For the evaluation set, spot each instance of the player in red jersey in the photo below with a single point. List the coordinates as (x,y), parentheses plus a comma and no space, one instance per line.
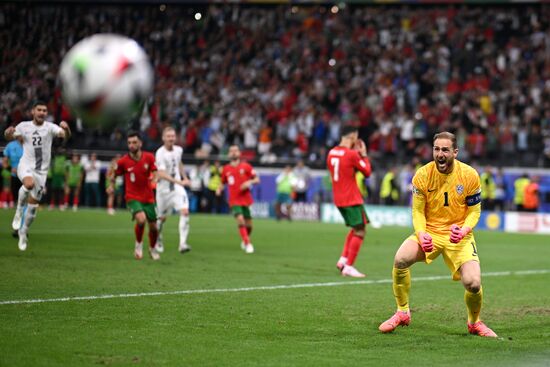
(137,167)
(239,177)
(343,161)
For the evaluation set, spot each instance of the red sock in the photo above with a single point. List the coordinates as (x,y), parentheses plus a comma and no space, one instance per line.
(138,230)
(353,248)
(153,234)
(249,230)
(345,251)
(66,199)
(9,197)
(244,234)
(75,200)
(3,197)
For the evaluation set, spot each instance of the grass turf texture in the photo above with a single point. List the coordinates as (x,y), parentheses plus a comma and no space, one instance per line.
(89,253)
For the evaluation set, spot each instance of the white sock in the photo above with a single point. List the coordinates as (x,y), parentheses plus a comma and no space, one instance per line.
(183,228)
(29,217)
(159,227)
(22,197)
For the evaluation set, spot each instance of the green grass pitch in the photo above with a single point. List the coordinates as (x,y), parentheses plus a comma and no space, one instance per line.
(89,253)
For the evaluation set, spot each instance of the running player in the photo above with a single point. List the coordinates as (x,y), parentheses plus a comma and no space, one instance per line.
(170,189)
(240,176)
(137,167)
(36,136)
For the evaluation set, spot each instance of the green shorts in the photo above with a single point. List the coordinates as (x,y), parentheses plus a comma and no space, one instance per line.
(58,182)
(354,215)
(241,210)
(149,209)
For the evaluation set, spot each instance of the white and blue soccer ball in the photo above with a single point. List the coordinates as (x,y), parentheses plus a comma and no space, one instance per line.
(105,79)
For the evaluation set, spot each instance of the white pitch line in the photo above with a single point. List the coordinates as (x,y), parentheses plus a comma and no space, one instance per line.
(259,288)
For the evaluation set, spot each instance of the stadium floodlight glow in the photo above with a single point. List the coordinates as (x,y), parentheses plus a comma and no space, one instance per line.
(198,16)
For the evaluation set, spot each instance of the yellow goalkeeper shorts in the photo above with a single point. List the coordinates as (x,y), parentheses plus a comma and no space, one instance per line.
(454,254)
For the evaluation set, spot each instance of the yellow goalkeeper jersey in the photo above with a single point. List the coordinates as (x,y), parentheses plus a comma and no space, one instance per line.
(440,200)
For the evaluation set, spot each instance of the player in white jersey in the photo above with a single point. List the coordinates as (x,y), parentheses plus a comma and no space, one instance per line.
(36,136)
(170,188)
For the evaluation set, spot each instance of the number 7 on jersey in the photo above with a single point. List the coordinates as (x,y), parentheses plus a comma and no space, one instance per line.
(335,162)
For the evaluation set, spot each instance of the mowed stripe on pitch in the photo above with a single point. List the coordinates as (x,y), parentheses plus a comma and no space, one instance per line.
(259,288)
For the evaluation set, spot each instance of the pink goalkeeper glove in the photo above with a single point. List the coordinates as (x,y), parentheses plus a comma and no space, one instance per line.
(425,242)
(457,233)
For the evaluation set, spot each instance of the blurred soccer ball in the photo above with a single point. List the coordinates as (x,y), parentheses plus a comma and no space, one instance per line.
(105,79)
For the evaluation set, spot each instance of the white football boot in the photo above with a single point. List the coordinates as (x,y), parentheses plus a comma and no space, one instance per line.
(350,271)
(138,251)
(22,244)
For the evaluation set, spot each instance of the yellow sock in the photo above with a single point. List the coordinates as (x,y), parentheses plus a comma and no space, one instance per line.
(473,304)
(401,287)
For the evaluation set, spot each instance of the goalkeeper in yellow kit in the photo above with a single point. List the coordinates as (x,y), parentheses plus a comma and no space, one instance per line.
(446,207)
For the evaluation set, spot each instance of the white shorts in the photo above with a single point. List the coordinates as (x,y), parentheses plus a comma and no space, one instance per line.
(24,170)
(166,201)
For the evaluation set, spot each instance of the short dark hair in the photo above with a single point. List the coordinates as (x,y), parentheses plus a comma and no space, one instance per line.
(348,129)
(132,133)
(446,135)
(39,102)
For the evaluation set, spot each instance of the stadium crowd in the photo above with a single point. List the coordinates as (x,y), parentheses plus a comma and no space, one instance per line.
(282,80)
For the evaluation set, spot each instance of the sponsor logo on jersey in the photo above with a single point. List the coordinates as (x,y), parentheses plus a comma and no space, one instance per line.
(460,189)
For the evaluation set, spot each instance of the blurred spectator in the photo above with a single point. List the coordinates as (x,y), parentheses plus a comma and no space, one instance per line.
(389,191)
(199,177)
(265,138)
(58,170)
(519,191)
(325,194)
(363,189)
(500,191)
(92,168)
(215,202)
(285,181)
(6,196)
(531,200)
(73,181)
(488,189)
(14,152)
(405,183)
(302,179)
(531,195)
(114,199)
(476,144)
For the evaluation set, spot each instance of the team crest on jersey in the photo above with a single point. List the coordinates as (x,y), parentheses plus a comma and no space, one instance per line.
(146,166)
(460,189)
(241,171)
